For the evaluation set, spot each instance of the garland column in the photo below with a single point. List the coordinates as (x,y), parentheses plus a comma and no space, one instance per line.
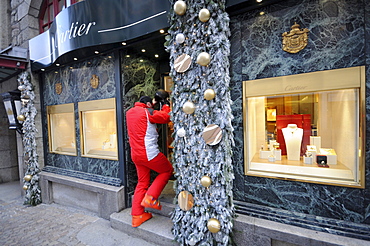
(203,137)
(28,113)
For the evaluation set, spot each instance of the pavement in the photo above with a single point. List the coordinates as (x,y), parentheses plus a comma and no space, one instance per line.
(53,224)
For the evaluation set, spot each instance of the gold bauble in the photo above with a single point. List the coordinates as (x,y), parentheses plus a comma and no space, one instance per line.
(206,181)
(203,59)
(209,94)
(188,107)
(27,177)
(204,15)
(21,117)
(25,187)
(214,225)
(180,7)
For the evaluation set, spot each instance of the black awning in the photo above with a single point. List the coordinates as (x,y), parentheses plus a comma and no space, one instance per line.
(13,60)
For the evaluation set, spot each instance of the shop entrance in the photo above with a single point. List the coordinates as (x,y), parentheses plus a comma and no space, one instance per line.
(145,69)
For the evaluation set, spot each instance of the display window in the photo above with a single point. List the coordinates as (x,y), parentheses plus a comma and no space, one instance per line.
(61,129)
(307,127)
(98,129)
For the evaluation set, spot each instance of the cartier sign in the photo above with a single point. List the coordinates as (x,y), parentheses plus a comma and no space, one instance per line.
(91,23)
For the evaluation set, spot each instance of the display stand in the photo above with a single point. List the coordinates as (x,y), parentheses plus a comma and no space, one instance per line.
(302,121)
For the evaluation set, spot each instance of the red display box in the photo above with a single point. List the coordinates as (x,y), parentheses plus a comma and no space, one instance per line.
(302,121)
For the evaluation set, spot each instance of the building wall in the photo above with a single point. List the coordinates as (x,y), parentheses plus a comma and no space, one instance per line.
(337,39)
(75,80)
(5,36)
(138,78)
(8,162)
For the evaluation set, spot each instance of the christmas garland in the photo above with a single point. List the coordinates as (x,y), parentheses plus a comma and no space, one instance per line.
(203,135)
(28,113)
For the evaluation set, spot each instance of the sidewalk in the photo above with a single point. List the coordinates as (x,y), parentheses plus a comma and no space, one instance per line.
(54,224)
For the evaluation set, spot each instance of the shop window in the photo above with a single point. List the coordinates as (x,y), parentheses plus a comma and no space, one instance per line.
(49,10)
(307,127)
(61,127)
(98,129)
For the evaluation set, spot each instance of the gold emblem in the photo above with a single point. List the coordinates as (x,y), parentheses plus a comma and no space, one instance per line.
(58,88)
(94,81)
(295,40)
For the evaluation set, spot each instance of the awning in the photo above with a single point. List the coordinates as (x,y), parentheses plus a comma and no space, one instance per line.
(13,60)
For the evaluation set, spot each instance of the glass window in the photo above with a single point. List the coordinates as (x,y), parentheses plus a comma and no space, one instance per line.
(98,129)
(49,10)
(61,126)
(306,127)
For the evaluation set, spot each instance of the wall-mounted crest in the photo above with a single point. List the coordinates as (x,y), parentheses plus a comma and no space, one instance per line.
(94,81)
(295,40)
(58,88)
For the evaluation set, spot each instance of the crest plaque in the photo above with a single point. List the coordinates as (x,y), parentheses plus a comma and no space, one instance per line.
(295,40)
(58,88)
(94,81)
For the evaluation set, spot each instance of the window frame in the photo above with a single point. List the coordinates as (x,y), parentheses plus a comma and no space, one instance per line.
(45,10)
(304,83)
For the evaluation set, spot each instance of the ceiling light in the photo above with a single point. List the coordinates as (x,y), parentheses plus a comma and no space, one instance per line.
(123,43)
(161,31)
(71,67)
(109,57)
(262,13)
(143,50)
(57,64)
(96,52)
(141,60)
(75,59)
(43,69)
(258,1)
(56,72)
(127,55)
(156,55)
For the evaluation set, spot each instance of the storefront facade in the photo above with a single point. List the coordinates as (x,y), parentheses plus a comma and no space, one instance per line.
(338,38)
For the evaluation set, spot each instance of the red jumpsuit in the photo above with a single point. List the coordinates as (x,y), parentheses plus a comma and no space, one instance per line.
(143,137)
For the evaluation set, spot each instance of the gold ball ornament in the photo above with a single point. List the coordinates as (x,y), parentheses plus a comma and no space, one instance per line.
(25,187)
(206,181)
(214,225)
(203,59)
(209,94)
(27,177)
(188,107)
(180,7)
(204,15)
(21,117)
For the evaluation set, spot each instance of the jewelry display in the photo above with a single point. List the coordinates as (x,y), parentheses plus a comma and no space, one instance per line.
(293,140)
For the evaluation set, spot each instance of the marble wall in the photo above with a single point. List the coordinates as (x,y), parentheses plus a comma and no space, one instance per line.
(76,88)
(339,37)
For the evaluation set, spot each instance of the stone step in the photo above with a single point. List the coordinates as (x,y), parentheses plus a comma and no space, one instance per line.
(167,205)
(157,230)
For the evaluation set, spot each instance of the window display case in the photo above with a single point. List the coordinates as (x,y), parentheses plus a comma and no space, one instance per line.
(98,129)
(307,127)
(61,129)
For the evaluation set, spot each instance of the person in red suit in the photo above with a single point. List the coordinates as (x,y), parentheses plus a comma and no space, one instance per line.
(143,138)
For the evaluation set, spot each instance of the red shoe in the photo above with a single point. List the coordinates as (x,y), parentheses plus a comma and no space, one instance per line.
(139,219)
(150,202)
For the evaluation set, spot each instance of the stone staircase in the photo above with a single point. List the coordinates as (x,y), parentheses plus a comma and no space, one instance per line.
(157,230)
